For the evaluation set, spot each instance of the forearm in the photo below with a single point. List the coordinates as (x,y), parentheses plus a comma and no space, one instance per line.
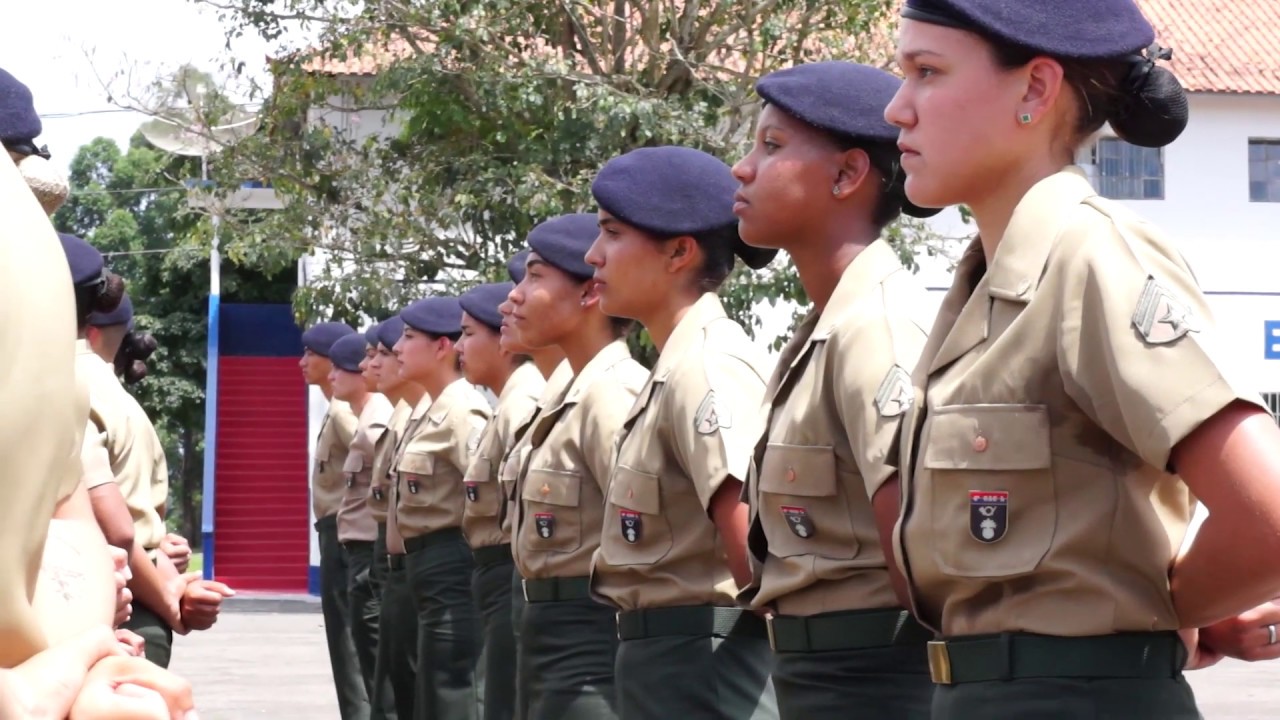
(732,518)
(1214,580)
(45,686)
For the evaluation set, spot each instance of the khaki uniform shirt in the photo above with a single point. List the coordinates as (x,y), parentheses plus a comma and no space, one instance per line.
(44,409)
(561,486)
(120,429)
(429,490)
(328,480)
(110,430)
(692,427)
(395,540)
(516,456)
(355,518)
(485,511)
(1056,384)
(384,452)
(834,404)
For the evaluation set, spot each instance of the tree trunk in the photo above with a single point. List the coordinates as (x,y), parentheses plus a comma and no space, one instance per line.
(192,488)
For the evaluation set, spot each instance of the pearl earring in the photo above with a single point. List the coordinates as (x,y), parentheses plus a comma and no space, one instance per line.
(835,189)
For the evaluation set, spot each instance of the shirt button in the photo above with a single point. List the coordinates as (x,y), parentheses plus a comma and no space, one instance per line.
(546,490)
(980,444)
(791,474)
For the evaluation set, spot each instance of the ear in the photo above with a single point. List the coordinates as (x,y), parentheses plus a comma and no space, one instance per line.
(1044,80)
(444,346)
(590,295)
(93,335)
(853,168)
(682,252)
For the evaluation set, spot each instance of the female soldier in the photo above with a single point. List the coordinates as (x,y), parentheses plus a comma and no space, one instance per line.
(558,374)
(357,531)
(822,182)
(397,664)
(1073,402)
(567,640)
(429,501)
(673,546)
(517,384)
(141,475)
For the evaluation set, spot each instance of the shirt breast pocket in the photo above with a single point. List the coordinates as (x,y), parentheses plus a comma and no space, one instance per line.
(993,503)
(416,470)
(324,448)
(801,509)
(553,515)
(482,492)
(639,534)
(353,468)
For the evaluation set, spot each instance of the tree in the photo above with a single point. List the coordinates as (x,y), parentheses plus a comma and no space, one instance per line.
(132,206)
(501,113)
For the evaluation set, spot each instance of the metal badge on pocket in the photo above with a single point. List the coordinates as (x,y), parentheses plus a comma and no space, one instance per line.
(799,521)
(413,486)
(351,480)
(988,515)
(546,524)
(473,492)
(377,494)
(632,527)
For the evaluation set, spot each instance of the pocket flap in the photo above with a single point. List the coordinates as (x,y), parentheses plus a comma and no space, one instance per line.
(481,470)
(417,463)
(354,462)
(808,470)
(988,437)
(553,487)
(634,490)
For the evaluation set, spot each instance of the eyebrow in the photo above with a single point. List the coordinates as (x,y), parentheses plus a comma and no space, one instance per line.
(533,262)
(606,221)
(913,55)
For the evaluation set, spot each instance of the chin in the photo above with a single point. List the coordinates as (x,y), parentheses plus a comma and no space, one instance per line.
(921,191)
(750,236)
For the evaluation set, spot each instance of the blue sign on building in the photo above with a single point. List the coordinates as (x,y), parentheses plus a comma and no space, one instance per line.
(1272,349)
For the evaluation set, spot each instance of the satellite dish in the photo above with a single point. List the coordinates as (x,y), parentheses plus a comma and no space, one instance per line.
(182,131)
(185,129)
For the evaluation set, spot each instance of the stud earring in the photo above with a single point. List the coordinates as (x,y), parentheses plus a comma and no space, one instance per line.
(1025,118)
(835,189)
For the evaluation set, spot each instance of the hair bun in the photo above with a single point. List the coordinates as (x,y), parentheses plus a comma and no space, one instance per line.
(111,294)
(135,372)
(1157,110)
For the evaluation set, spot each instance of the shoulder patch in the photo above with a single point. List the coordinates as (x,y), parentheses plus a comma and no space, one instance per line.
(711,416)
(1161,316)
(895,394)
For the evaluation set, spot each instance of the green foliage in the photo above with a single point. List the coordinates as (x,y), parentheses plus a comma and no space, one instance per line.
(466,122)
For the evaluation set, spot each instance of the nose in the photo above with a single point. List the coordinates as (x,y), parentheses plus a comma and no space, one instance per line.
(898,111)
(744,170)
(516,296)
(595,255)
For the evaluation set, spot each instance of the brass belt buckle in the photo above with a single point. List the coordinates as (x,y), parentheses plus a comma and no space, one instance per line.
(939,662)
(773,643)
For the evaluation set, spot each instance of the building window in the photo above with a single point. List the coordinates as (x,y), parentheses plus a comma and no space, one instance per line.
(1128,172)
(1272,399)
(1264,171)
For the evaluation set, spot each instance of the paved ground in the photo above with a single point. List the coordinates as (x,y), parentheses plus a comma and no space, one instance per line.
(267,658)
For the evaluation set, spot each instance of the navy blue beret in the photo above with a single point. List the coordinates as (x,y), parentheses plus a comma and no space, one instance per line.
(440,315)
(481,302)
(371,335)
(563,242)
(1087,29)
(18,119)
(320,338)
(390,330)
(122,315)
(84,259)
(667,191)
(844,99)
(515,266)
(347,352)
(671,191)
